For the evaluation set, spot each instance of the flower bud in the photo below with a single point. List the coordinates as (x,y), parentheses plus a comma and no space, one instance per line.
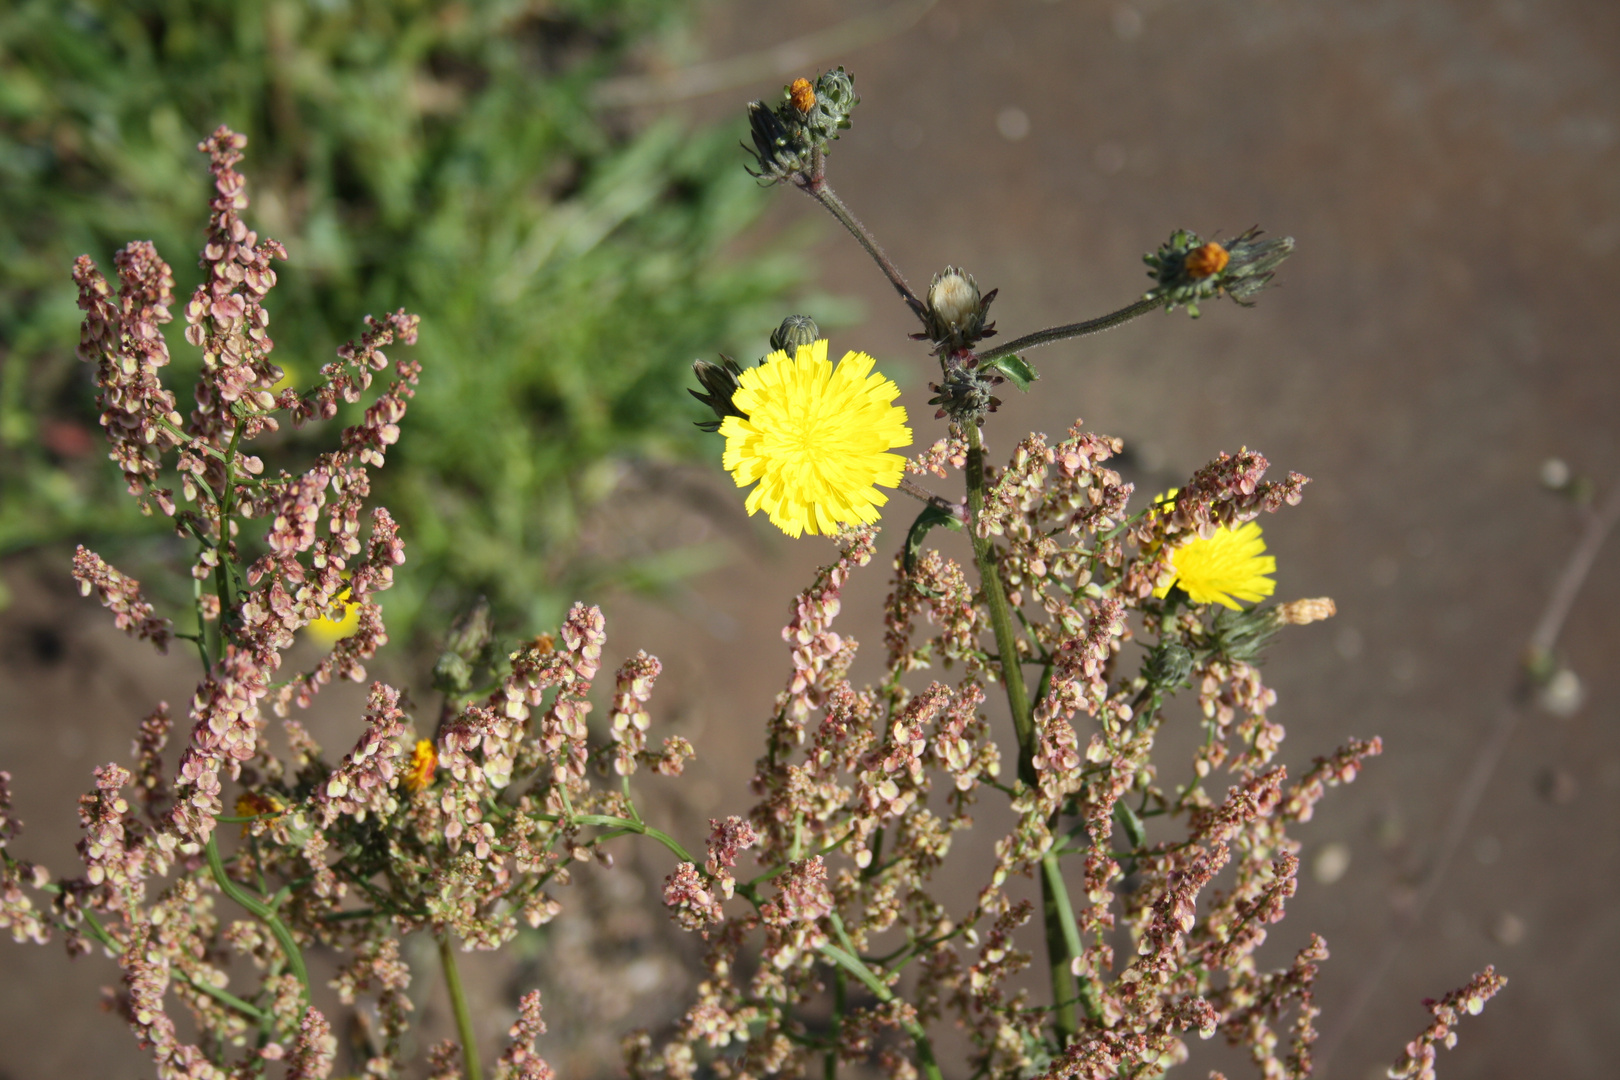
(796,330)
(720,380)
(956,311)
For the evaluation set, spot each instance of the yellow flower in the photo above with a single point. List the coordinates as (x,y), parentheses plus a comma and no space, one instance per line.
(814,436)
(424,760)
(1231,564)
(327,631)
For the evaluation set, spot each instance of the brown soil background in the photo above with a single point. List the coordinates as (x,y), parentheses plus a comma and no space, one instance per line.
(1451,171)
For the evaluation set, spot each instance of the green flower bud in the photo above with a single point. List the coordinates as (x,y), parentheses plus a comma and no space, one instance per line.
(795,330)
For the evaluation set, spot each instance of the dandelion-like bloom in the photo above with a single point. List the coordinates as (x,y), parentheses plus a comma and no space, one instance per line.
(424,760)
(1224,568)
(327,631)
(816,437)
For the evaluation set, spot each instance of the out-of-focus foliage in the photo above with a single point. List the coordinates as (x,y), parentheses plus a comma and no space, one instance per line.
(430,154)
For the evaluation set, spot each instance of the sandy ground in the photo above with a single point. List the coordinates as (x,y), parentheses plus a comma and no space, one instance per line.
(1451,171)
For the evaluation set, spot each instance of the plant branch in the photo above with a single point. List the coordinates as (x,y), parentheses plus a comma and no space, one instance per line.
(458,1003)
(261,911)
(846,959)
(1074,330)
(818,189)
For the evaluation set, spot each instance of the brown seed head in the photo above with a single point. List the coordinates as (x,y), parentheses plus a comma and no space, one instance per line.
(1206,261)
(802,95)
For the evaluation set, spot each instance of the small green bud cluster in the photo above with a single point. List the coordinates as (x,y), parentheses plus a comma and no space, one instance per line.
(810,116)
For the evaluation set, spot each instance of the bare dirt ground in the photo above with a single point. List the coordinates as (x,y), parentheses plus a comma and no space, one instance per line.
(1451,171)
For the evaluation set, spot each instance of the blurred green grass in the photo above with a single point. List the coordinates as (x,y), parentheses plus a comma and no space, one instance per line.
(434,155)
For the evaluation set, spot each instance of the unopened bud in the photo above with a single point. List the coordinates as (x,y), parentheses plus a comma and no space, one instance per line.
(953,298)
(795,330)
(1304,612)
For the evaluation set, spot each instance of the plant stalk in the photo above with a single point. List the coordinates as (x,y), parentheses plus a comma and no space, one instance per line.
(261,911)
(1074,330)
(458,1003)
(845,958)
(819,190)
(1055,909)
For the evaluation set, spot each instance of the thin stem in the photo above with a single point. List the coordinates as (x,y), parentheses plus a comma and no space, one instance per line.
(845,958)
(261,911)
(939,502)
(1074,330)
(112,945)
(458,1003)
(1058,916)
(819,190)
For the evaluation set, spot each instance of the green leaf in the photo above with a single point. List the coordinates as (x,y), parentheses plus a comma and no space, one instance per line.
(932,515)
(1016,368)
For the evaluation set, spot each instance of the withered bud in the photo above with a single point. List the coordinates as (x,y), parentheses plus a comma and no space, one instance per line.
(1304,612)
(802,95)
(1203,262)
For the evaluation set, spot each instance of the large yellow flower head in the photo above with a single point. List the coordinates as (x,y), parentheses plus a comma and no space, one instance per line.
(815,437)
(1224,568)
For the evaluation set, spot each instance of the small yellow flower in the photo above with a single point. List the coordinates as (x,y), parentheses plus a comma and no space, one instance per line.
(1224,568)
(327,631)
(424,760)
(815,438)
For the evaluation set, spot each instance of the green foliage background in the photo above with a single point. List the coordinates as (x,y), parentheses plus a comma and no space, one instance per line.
(429,154)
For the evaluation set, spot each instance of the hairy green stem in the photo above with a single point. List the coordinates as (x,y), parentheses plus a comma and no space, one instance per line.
(1056,911)
(819,190)
(261,911)
(458,1003)
(1074,330)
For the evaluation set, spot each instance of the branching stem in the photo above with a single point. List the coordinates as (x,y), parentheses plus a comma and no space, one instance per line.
(261,911)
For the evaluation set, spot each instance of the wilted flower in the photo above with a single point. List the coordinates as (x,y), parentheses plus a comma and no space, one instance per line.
(815,437)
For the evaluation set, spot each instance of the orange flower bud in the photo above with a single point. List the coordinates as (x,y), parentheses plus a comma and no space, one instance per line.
(802,95)
(1206,261)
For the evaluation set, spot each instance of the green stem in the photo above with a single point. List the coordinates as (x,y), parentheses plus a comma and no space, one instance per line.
(1055,897)
(829,1066)
(458,1002)
(1058,927)
(111,944)
(995,596)
(1074,330)
(846,959)
(261,911)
